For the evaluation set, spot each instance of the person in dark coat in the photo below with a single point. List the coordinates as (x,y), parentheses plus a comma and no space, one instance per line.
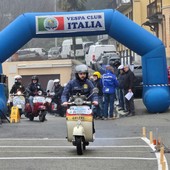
(129,88)
(58,90)
(33,88)
(98,84)
(121,94)
(80,83)
(18,86)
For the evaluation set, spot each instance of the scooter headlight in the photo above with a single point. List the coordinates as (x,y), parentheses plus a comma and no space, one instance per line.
(78,101)
(39,92)
(19,93)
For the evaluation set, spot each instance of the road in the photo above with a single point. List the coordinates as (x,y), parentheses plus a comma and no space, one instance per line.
(119,144)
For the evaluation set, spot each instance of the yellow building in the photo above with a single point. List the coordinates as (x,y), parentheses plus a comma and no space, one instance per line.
(166,27)
(45,69)
(152,15)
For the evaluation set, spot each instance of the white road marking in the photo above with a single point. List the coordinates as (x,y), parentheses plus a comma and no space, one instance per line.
(131,146)
(69,158)
(103,158)
(61,139)
(157,154)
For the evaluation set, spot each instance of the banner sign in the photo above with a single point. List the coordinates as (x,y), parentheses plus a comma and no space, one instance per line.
(70,23)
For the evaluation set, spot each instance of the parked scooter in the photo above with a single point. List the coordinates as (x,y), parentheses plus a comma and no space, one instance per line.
(18,100)
(39,107)
(79,120)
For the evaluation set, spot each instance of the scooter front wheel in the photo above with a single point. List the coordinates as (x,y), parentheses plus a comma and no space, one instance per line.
(31,117)
(79,145)
(42,115)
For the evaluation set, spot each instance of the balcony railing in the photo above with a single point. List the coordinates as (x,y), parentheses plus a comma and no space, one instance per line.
(123,4)
(154,9)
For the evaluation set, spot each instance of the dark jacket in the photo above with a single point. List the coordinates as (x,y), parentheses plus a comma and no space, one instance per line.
(33,88)
(98,83)
(75,85)
(58,90)
(109,82)
(121,79)
(17,86)
(129,80)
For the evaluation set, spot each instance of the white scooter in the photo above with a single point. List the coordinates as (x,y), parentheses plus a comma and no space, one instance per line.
(80,123)
(18,100)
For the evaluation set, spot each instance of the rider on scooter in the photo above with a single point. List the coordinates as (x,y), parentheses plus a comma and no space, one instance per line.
(58,89)
(81,82)
(33,88)
(18,86)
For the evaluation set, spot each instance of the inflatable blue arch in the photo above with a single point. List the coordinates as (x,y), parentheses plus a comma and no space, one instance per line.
(85,23)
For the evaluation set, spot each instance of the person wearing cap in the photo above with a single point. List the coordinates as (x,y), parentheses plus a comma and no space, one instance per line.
(110,83)
(129,87)
(98,113)
(121,95)
(17,86)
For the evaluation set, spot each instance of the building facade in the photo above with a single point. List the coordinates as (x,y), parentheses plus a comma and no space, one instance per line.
(46,70)
(152,15)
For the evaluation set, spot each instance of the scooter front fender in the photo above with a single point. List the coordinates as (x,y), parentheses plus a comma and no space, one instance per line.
(78,131)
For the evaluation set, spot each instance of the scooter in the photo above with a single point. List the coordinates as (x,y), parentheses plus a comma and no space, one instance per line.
(51,106)
(18,100)
(39,107)
(79,121)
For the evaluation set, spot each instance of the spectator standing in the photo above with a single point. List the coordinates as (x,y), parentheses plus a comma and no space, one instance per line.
(128,87)
(110,83)
(121,93)
(98,113)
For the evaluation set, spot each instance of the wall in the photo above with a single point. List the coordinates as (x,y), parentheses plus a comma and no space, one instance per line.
(46,67)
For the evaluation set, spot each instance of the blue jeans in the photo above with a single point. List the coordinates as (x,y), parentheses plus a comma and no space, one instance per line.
(109,103)
(31,101)
(122,99)
(100,107)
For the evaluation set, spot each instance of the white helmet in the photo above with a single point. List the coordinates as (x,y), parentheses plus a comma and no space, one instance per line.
(56,81)
(17,77)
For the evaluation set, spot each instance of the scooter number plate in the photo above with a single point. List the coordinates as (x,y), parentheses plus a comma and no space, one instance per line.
(79,110)
(38,100)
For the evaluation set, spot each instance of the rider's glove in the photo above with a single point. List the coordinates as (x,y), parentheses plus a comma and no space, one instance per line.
(95,103)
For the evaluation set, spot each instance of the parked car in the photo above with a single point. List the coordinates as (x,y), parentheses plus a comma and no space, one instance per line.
(40,51)
(27,55)
(95,51)
(67,50)
(54,53)
(86,46)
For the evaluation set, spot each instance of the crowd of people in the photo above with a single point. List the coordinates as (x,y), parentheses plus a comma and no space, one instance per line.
(114,82)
